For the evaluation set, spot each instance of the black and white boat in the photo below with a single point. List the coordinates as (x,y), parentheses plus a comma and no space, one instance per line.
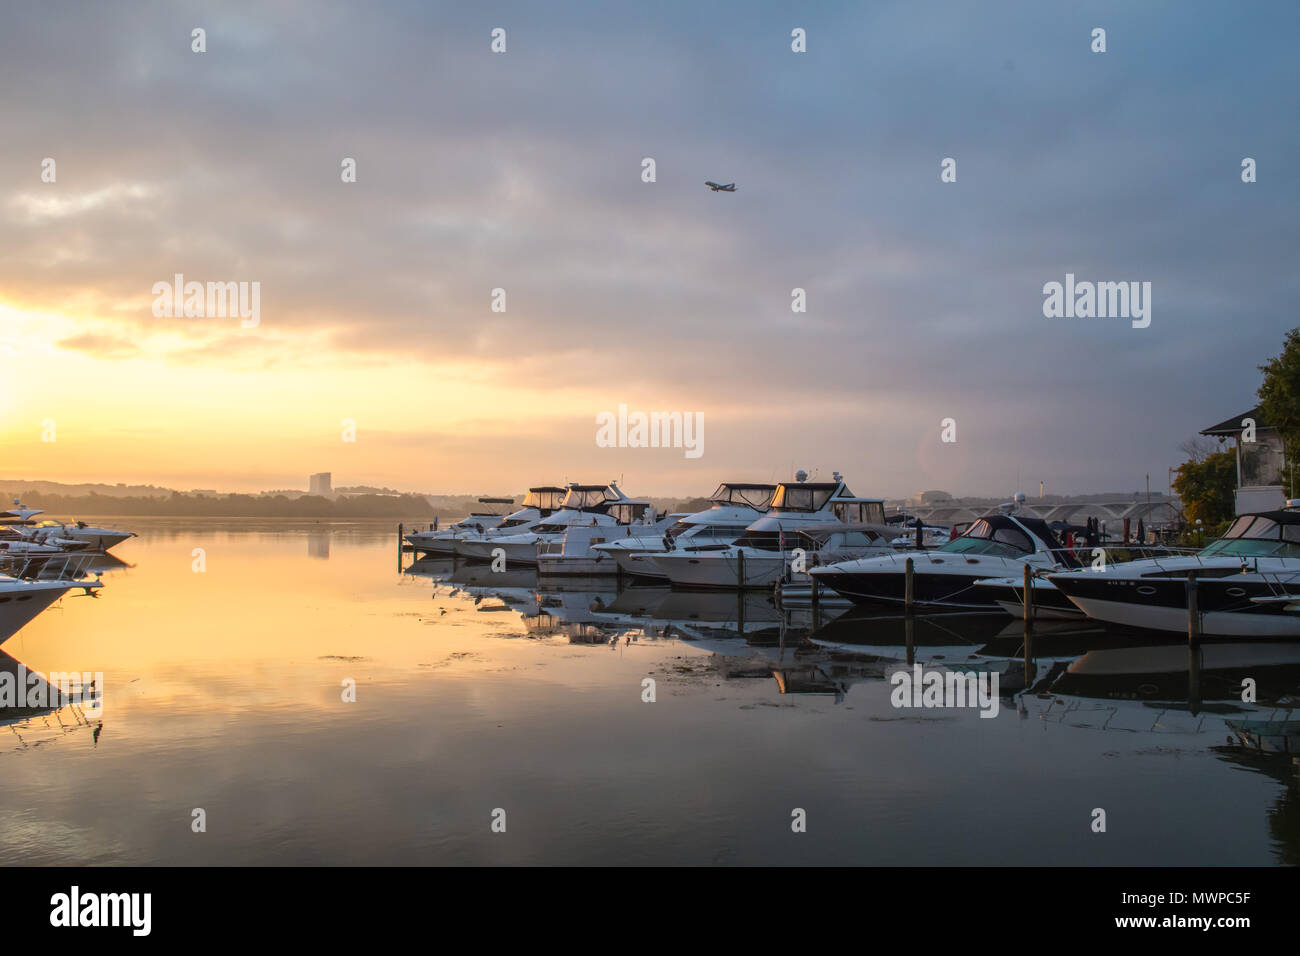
(995,546)
(1248,583)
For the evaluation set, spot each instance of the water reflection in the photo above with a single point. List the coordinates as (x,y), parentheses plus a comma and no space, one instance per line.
(223,690)
(1232,700)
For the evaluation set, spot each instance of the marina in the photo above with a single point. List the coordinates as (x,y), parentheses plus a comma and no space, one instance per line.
(537,686)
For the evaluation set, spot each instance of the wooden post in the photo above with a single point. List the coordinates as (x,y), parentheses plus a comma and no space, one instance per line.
(1193,610)
(399,547)
(909,609)
(1029,626)
(740,568)
(1028,597)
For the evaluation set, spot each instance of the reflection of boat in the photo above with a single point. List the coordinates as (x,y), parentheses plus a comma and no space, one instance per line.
(1175,672)
(570,614)
(1258,558)
(54,713)
(1268,736)
(711,619)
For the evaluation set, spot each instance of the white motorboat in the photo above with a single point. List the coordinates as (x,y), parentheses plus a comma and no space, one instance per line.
(831,515)
(78,534)
(1248,583)
(736,505)
(539,504)
(995,546)
(442,540)
(582,505)
(21,600)
(579,551)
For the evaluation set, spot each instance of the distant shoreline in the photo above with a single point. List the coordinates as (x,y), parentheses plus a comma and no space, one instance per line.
(393,507)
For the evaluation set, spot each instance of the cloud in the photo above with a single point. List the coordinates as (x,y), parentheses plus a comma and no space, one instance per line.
(522,172)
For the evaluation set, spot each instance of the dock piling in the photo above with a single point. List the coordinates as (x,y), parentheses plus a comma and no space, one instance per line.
(1193,610)
(1030,669)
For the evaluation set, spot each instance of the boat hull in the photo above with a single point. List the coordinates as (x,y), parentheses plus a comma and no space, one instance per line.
(1226,606)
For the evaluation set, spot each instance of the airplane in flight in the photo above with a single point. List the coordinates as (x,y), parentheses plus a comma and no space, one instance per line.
(720,188)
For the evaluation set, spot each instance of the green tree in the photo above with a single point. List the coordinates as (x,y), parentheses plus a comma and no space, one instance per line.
(1279,393)
(1206,488)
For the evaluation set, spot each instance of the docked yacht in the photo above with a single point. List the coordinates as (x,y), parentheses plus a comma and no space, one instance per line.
(827,511)
(78,535)
(586,505)
(1248,583)
(441,541)
(538,505)
(735,506)
(579,550)
(21,600)
(995,546)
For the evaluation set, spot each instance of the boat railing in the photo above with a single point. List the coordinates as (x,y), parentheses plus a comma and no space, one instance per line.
(61,566)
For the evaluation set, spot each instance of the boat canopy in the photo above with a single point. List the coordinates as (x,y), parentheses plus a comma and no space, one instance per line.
(543,498)
(583,497)
(805,495)
(1275,533)
(744,495)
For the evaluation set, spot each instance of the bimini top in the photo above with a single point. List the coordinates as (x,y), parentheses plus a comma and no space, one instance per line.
(543,498)
(744,494)
(1010,536)
(1262,533)
(814,495)
(586,497)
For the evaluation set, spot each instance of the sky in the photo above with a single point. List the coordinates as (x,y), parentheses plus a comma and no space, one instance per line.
(523,171)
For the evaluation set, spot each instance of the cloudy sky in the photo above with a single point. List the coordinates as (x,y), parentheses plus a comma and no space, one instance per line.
(522,171)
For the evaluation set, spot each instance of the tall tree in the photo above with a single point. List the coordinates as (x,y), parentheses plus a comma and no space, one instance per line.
(1206,488)
(1279,393)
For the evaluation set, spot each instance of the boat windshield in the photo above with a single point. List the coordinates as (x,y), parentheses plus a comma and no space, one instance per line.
(757,497)
(802,497)
(587,496)
(1257,536)
(544,499)
(629,512)
(982,538)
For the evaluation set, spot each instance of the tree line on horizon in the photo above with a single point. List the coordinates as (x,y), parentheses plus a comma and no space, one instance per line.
(233,505)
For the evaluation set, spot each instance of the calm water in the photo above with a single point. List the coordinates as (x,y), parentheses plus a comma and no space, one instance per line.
(223,691)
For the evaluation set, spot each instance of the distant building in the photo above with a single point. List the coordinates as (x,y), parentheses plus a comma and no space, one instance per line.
(929,499)
(319,484)
(1260,461)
